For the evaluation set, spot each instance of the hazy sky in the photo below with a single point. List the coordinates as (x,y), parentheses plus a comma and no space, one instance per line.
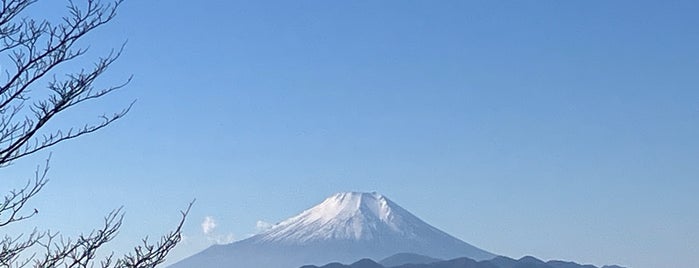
(559,129)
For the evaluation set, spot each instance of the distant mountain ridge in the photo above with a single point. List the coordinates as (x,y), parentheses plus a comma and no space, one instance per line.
(498,262)
(407,258)
(344,227)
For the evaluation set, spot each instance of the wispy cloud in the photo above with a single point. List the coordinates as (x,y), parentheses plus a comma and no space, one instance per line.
(208,225)
(223,239)
(262,226)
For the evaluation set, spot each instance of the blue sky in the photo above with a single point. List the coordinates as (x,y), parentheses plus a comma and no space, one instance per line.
(559,129)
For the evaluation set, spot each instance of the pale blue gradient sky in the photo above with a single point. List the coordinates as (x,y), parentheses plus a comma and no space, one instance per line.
(559,129)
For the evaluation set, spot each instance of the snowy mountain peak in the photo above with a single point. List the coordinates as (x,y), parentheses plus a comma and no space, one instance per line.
(350,204)
(342,228)
(343,216)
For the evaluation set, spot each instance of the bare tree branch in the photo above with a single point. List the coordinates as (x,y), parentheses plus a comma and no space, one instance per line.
(37,48)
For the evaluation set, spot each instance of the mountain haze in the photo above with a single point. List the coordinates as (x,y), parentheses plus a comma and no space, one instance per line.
(343,228)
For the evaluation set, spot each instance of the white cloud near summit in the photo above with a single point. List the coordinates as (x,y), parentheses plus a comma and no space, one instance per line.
(208,225)
(262,226)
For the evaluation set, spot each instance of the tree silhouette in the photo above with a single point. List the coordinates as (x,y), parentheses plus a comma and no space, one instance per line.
(33,93)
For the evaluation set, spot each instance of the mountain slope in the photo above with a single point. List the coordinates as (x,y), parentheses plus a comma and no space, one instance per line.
(343,228)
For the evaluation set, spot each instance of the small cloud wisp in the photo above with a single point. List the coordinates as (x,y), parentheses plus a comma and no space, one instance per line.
(208,225)
(262,226)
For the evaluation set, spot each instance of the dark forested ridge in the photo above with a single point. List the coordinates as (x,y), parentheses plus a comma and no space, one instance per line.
(498,262)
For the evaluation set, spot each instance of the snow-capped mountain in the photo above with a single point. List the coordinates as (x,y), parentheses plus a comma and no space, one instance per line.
(345,227)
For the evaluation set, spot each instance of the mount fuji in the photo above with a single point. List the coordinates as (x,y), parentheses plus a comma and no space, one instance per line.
(343,228)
